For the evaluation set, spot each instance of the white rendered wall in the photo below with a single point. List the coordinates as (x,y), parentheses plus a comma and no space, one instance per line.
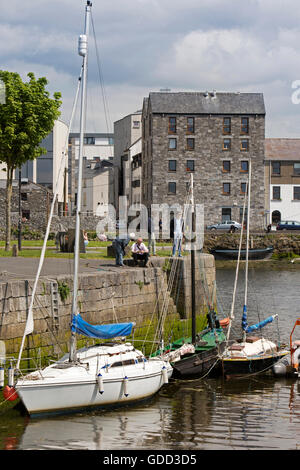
(287,206)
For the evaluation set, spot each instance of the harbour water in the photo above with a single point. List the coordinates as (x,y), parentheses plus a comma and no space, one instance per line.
(243,414)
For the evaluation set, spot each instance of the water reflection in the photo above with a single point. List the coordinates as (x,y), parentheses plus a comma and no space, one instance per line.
(211,414)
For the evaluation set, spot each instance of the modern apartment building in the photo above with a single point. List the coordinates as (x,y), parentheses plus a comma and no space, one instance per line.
(46,170)
(214,136)
(96,146)
(127,132)
(282,179)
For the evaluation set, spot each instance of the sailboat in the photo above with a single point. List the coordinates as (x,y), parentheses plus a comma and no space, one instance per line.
(109,373)
(198,355)
(250,354)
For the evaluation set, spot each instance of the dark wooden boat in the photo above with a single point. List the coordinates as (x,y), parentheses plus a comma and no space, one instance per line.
(235,367)
(254,253)
(204,361)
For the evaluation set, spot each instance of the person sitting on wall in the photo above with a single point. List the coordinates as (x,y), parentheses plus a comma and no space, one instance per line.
(140,252)
(119,245)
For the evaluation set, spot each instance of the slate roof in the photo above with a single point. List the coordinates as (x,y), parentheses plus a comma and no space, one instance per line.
(282,149)
(206,103)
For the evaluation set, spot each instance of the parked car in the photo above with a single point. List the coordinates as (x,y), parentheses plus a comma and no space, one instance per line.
(226,225)
(288,225)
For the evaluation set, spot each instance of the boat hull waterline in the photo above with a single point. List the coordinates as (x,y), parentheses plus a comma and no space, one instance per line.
(64,386)
(198,365)
(251,365)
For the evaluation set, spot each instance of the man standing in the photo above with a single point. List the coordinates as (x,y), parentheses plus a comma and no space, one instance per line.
(151,237)
(119,245)
(178,234)
(140,252)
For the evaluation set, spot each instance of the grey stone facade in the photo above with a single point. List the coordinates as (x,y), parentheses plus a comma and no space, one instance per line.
(208,132)
(36,203)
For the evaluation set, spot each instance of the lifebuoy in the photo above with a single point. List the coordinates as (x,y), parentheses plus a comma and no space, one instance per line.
(10,393)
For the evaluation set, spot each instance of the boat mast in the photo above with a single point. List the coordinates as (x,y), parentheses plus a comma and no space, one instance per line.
(193,265)
(83,51)
(247,243)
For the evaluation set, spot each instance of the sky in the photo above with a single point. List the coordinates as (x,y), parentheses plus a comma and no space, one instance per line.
(149,45)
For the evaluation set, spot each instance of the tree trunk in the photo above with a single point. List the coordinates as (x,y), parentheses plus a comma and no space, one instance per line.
(8,207)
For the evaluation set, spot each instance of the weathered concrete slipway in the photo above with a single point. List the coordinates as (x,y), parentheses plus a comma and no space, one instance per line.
(128,294)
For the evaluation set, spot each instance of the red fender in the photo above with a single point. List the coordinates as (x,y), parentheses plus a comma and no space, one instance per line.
(10,393)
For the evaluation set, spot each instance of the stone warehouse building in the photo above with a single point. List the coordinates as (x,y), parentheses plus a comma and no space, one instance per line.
(214,135)
(36,203)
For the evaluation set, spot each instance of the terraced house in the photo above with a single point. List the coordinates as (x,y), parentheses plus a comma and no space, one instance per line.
(214,135)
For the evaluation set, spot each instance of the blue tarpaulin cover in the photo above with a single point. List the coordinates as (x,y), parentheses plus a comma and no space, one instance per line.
(100,331)
(257,326)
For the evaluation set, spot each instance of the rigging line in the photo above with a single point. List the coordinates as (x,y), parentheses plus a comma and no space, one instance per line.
(173,273)
(237,267)
(169,286)
(29,322)
(105,104)
(166,299)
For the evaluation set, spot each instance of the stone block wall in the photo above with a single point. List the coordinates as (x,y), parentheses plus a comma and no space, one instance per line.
(134,294)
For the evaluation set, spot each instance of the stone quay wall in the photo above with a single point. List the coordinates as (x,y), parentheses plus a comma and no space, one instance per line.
(133,294)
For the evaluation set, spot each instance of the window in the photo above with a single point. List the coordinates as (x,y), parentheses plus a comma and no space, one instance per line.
(25,215)
(244,166)
(276,168)
(190,125)
(297,169)
(226,166)
(226,214)
(226,125)
(226,144)
(23,196)
(226,188)
(172,144)
(190,165)
(297,193)
(172,125)
(243,188)
(245,125)
(89,140)
(136,124)
(190,144)
(172,165)
(276,192)
(244,145)
(172,188)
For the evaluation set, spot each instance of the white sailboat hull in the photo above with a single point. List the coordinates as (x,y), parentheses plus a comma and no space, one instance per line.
(64,387)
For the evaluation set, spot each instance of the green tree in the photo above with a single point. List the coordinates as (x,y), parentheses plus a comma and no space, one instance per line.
(26,117)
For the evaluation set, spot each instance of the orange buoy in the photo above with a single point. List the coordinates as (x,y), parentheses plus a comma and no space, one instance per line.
(224,322)
(10,393)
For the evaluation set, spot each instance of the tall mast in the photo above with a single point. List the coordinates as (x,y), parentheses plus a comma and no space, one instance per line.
(244,318)
(83,51)
(247,239)
(193,265)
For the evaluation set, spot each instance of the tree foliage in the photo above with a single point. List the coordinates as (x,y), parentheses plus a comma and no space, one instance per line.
(26,117)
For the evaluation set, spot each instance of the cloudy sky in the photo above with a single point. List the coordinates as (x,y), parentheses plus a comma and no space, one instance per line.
(147,45)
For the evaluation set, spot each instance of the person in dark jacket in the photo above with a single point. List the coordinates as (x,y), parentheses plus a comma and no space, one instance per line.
(119,245)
